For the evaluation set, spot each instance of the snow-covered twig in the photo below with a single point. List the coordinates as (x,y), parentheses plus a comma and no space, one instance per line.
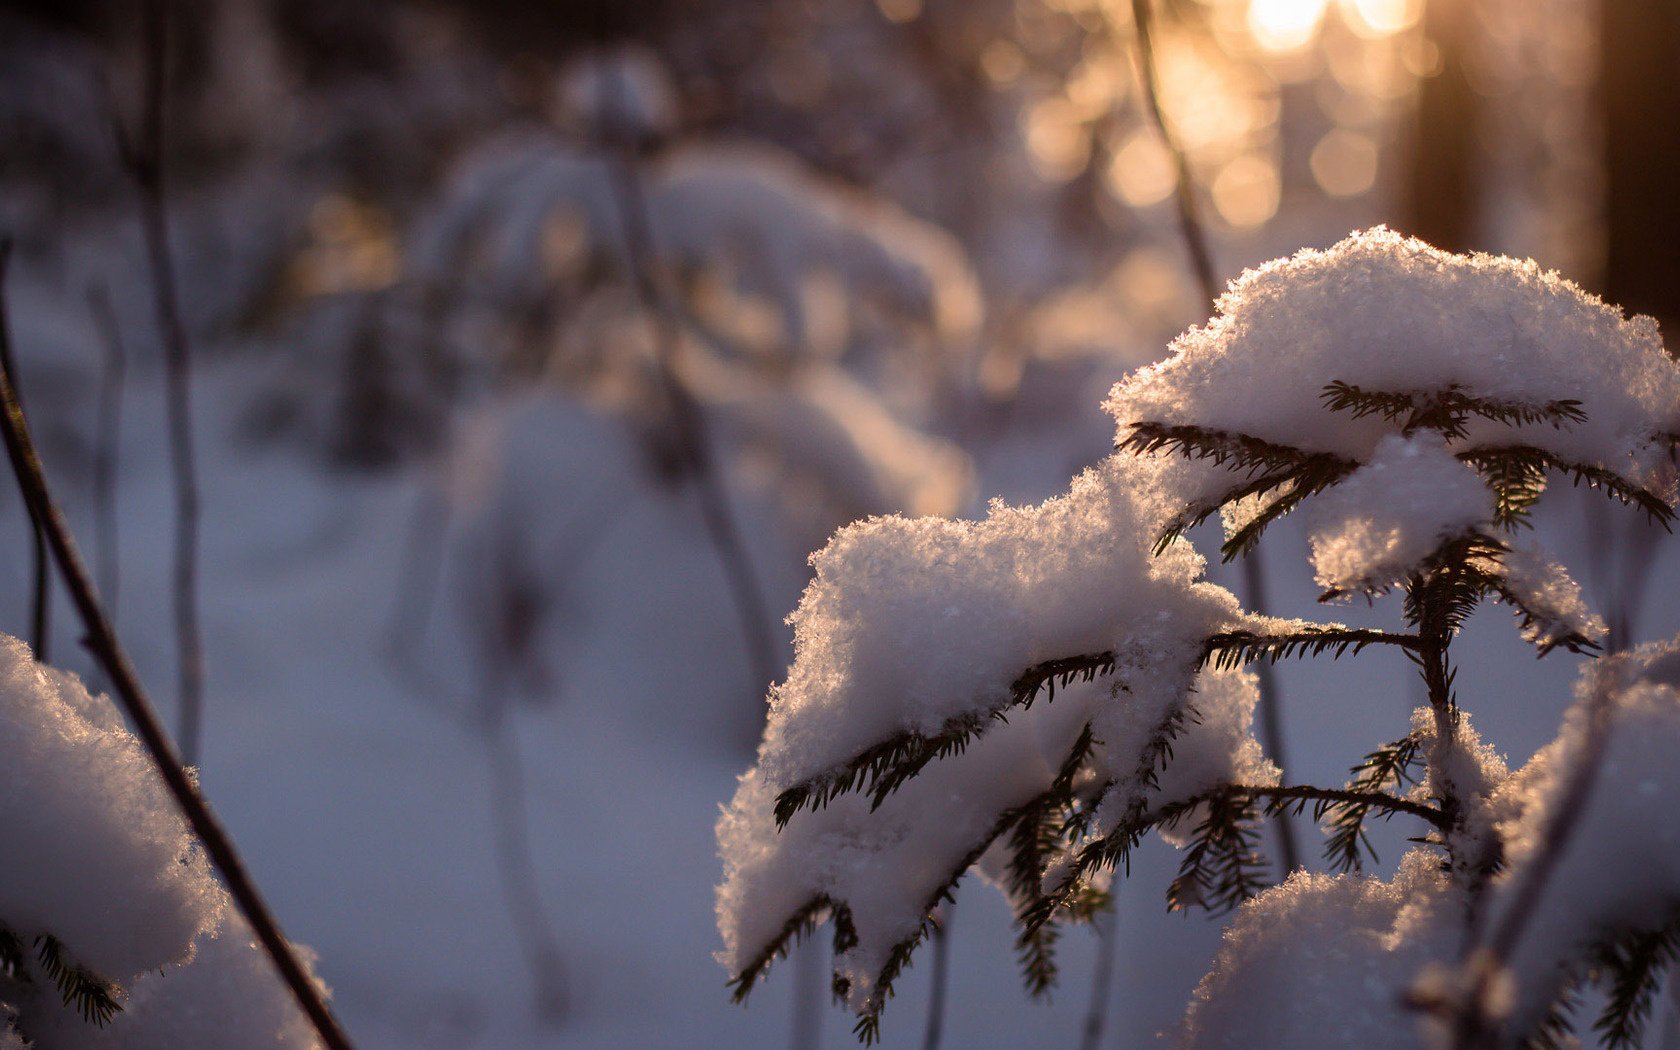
(102,641)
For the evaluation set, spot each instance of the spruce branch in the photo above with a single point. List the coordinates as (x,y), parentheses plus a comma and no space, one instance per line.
(101,640)
(1499,463)
(1232,649)
(94,997)
(1266,466)
(883,768)
(1446,410)
(1222,866)
(1632,965)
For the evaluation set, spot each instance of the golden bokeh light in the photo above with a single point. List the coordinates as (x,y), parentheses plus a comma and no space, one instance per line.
(1282,26)
(1247,190)
(1344,163)
(1142,173)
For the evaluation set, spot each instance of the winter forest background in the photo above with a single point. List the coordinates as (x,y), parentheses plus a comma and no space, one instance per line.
(533,349)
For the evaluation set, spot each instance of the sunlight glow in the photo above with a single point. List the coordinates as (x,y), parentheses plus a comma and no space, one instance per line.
(1142,173)
(1281,26)
(1247,191)
(1381,18)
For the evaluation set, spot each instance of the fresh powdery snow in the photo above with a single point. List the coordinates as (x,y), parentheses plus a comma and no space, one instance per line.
(100,858)
(912,623)
(1550,597)
(1390,314)
(1393,512)
(98,855)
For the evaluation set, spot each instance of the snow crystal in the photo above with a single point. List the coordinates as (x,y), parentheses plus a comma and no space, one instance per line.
(1389,515)
(1390,314)
(98,855)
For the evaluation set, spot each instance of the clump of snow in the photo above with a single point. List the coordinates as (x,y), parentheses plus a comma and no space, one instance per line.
(623,93)
(1325,960)
(1550,596)
(909,623)
(1620,870)
(1391,314)
(98,856)
(1389,515)
(229,996)
(1472,771)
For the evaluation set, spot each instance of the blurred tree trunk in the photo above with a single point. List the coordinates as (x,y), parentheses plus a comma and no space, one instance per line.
(1444,188)
(1640,77)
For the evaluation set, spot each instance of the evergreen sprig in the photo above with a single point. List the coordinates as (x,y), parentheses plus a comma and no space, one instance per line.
(883,768)
(1447,410)
(1267,465)
(1632,965)
(1223,866)
(1232,649)
(94,997)
(1521,470)
(1388,768)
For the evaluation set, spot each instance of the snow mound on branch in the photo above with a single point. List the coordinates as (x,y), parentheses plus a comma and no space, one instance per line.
(1393,512)
(910,623)
(1389,313)
(97,853)
(1325,960)
(888,865)
(1551,597)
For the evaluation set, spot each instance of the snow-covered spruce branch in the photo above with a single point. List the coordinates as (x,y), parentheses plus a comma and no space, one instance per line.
(883,768)
(1412,405)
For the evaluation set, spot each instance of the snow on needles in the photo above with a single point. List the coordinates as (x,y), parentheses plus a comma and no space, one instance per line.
(1390,314)
(910,624)
(1393,512)
(98,856)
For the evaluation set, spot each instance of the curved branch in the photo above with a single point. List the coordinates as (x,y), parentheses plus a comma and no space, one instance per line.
(102,641)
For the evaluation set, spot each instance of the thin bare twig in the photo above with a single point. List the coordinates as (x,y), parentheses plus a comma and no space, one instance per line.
(751,608)
(111,377)
(940,978)
(1491,951)
(1102,981)
(144,158)
(102,641)
(41,587)
(1201,262)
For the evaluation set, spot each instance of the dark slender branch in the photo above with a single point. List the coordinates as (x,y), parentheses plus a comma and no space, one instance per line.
(145,161)
(1271,713)
(1487,954)
(106,444)
(641,257)
(940,978)
(41,585)
(1102,981)
(102,642)
(1374,799)
(1189,221)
